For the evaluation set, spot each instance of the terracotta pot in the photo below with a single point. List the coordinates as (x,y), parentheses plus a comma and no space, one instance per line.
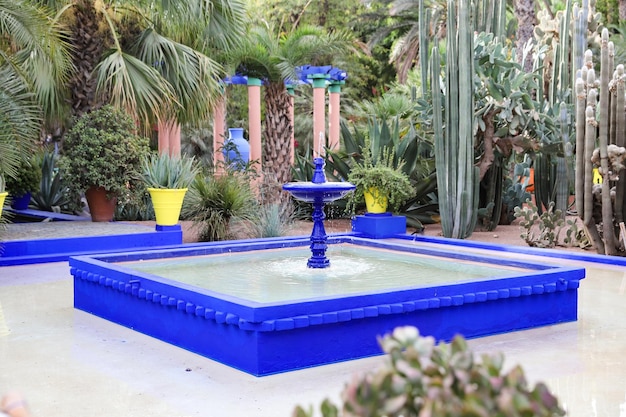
(102,209)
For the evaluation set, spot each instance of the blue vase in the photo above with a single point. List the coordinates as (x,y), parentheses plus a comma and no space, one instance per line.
(236,149)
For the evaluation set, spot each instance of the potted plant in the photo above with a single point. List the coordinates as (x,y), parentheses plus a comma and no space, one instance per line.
(167,178)
(378,183)
(102,157)
(26,182)
(3,193)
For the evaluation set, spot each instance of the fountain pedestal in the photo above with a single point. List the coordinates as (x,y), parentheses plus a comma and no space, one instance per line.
(318,192)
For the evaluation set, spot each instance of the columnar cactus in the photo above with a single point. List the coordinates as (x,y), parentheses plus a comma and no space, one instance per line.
(457,179)
(602,147)
(620,139)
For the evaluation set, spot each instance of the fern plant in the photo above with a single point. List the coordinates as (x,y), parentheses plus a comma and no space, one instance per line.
(389,179)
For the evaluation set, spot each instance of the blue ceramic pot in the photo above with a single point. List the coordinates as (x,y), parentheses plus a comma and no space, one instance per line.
(236,149)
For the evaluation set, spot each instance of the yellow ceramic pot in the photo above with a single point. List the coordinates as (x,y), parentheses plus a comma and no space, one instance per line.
(375,202)
(2,197)
(167,204)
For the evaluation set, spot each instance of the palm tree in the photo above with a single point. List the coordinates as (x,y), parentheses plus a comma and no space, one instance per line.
(404,23)
(33,65)
(273,58)
(150,58)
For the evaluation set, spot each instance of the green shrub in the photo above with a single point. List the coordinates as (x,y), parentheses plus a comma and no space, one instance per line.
(445,380)
(27,178)
(103,150)
(543,230)
(271,220)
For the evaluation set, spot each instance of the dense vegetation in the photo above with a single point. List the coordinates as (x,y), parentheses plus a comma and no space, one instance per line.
(169,70)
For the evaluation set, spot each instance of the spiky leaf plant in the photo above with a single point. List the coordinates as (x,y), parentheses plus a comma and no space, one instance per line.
(169,171)
(213,201)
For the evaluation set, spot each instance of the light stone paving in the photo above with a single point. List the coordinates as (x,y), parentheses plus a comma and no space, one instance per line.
(68,362)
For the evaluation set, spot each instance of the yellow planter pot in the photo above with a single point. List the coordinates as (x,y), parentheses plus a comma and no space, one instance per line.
(374,201)
(597,178)
(2,197)
(167,204)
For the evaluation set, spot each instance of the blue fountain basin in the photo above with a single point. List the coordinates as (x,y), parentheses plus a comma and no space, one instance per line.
(311,192)
(267,336)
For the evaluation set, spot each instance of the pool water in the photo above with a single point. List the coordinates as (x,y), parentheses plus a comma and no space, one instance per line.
(282,275)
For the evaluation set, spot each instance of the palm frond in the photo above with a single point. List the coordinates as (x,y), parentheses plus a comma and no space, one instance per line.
(135,87)
(205,25)
(192,75)
(41,51)
(19,120)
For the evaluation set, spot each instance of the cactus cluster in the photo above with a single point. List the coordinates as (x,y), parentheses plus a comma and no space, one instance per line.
(600,141)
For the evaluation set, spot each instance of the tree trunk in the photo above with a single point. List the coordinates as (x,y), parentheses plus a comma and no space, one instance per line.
(622,10)
(277,134)
(526,20)
(88,43)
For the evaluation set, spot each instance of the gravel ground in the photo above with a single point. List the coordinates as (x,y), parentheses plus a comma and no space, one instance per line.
(47,230)
(504,234)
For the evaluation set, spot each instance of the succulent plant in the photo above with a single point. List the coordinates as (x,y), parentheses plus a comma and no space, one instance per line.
(167,171)
(421,378)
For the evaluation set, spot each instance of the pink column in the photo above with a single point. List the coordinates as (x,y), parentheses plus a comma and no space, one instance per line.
(219,122)
(175,139)
(319,113)
(334,112)
(292,118)
(169,137)
(254,120)
(164,137)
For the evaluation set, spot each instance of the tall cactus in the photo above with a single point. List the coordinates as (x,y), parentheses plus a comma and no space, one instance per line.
(620,140)
(605,128)
(457,178)
(551,174)
(603,140)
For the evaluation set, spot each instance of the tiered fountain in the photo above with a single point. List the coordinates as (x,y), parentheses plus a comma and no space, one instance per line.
(318,192)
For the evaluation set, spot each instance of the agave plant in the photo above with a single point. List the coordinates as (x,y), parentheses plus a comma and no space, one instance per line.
(53,193)
(168,171)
